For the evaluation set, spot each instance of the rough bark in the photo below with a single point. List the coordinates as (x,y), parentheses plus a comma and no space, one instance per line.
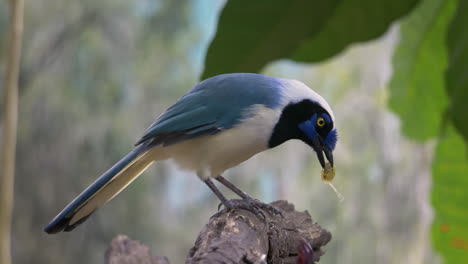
(126,251)
(239,236)
(10,119)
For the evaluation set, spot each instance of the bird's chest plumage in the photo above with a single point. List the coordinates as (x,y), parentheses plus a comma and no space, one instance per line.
(209,156)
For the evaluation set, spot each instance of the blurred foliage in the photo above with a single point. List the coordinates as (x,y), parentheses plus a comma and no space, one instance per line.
(417,85)
(449,196)
(253,33)
(457,71)
(419,95)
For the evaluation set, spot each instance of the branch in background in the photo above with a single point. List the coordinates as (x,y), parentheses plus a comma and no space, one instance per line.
(10,117)
(238,236)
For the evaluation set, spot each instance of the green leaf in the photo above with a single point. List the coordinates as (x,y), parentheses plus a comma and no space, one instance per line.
(450,198)
(353,21)
(457,72)
(253,33)
(417,85)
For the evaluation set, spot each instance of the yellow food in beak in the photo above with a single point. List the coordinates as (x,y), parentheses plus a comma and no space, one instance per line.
(328,173)
(327,176)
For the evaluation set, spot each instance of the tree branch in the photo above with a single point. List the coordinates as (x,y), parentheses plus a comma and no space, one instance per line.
(238,236)
(10,117)
(126,251)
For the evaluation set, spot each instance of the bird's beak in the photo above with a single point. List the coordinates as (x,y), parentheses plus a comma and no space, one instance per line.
(319,148)
(329,155)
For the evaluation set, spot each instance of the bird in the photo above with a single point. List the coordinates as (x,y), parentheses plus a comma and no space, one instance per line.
(216,125)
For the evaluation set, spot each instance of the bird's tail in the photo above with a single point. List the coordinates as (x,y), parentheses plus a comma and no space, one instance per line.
(101,191)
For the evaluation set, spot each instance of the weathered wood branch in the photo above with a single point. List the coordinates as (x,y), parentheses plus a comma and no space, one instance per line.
(126,251)
(239,236)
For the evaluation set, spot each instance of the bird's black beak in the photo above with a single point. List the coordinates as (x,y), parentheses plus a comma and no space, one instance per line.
(319,148)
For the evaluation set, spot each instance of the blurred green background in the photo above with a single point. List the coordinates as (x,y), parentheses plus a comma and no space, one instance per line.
(95,74)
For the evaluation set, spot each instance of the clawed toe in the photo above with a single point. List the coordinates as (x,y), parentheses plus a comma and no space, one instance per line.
(246,205)
(267,207)
(255,206)
(271,209)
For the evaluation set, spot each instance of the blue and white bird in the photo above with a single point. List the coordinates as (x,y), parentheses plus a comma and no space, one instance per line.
(219,123)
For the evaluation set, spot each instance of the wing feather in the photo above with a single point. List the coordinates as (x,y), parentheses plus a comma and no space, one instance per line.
(213,105)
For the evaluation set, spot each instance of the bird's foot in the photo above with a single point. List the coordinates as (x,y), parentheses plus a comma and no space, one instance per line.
(253,205)
(266,207)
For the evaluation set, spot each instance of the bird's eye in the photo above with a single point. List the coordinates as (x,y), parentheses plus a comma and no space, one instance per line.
(320,122)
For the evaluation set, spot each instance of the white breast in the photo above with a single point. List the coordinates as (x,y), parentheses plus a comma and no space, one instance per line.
(210,156)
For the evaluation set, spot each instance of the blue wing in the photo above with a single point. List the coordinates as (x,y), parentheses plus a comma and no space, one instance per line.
(211,106)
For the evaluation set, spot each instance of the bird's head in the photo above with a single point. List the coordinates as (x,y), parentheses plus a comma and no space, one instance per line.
(308,117)
(318,132)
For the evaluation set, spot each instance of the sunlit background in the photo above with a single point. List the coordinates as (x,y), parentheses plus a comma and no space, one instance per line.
(95,74)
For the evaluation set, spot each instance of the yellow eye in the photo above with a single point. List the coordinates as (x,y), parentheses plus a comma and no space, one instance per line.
(320,122)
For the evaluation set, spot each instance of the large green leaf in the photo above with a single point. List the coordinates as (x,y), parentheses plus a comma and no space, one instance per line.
(450,198)
(253,33)
(353,21)
(457,73)
(417,85)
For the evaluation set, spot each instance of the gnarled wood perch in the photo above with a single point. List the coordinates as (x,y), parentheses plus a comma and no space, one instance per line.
(239,236)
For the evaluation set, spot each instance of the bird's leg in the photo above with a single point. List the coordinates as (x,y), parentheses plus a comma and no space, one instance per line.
(233,188)
(218,193)
(247,197)
(233,204)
